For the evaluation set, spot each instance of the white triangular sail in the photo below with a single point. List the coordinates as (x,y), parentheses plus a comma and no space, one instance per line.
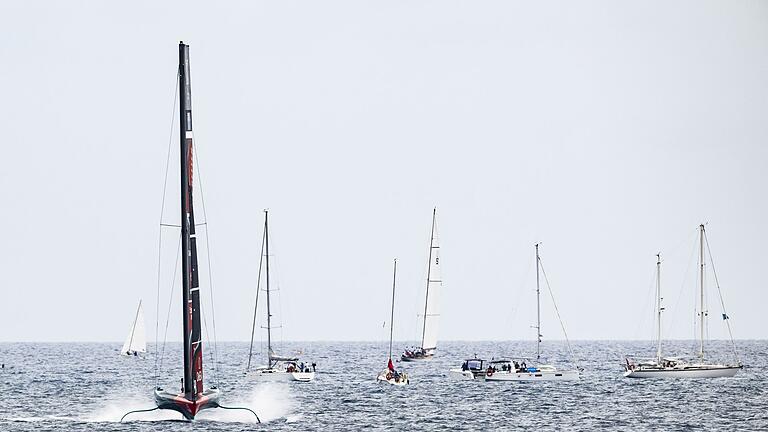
(137,337)
(431,318)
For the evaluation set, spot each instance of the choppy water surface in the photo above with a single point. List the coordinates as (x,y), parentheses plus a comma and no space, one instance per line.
(89,387)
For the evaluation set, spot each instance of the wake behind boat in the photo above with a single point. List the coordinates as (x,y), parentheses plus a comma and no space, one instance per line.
(431,315)
(679,367)
(390,375)
(278,368)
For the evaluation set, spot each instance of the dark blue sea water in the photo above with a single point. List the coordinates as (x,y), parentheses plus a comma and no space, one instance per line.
(78,387)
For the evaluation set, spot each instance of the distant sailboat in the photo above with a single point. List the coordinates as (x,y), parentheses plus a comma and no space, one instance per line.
(390,375)
(678,367)
(136,342)
(431,315)
(519,369)
(278,368)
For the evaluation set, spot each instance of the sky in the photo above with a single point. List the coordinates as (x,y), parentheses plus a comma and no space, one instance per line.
(606,130)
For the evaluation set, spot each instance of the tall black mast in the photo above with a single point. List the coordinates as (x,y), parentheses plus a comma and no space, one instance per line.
(269,312)
(193,359)
(392,316)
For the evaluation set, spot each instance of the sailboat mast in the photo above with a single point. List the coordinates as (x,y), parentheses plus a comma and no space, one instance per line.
(392,314)
(429,269)
(185,135)
(133,329)
(658,308)
(538,308)
(701,291)
(269,314)
(256,305)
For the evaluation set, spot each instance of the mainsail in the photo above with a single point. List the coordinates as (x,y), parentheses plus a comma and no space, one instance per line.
(434,285)
(136,342)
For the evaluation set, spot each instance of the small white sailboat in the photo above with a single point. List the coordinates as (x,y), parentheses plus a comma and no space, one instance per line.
(512,370)
(390,375)
(431,315)
(679,367)
(136,342)
(278,367)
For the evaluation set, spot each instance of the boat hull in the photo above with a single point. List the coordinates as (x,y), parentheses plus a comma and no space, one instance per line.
(565,375)
(184,405)
(466,374)
(276,375)
(687,372)
(416,358)
(386,377)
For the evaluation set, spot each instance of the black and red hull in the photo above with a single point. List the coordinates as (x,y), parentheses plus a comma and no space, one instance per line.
(184,405)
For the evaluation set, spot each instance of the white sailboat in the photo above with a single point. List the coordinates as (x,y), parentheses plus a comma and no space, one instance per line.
(136,342)
(679,367)
(514,370)
(390,375)
(278,367)
(431,315)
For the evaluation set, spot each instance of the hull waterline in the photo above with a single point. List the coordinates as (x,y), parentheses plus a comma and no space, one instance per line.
(534,376)
(690,372)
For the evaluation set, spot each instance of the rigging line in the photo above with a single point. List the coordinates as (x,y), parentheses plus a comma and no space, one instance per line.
(215,353)
(210,269)
(170,301)
(673,318)
(256,306)
(162,214)
(642,321)
(557,311)
(208,337)
(516,293)
(179,226)
(726,318)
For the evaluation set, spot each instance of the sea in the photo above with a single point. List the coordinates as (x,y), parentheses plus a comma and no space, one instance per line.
(89,386)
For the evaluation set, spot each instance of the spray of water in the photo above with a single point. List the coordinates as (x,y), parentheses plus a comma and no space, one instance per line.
(271,401)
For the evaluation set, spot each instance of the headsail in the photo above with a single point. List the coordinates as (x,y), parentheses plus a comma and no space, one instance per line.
(136,342)
(434,286)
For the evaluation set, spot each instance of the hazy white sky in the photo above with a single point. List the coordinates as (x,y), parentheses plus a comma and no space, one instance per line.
(608,130)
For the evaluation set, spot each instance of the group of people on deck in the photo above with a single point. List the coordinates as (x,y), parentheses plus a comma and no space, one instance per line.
(507,367)
(413,352)
(293,367)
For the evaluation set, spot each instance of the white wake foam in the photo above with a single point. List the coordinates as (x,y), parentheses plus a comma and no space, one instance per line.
(270,401)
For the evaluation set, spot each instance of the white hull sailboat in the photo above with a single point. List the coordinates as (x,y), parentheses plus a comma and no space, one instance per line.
(683,371)
(390,375)
(536,373)
(278,368)
(676,367)
(136,342)
(431,315)
(512,370)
